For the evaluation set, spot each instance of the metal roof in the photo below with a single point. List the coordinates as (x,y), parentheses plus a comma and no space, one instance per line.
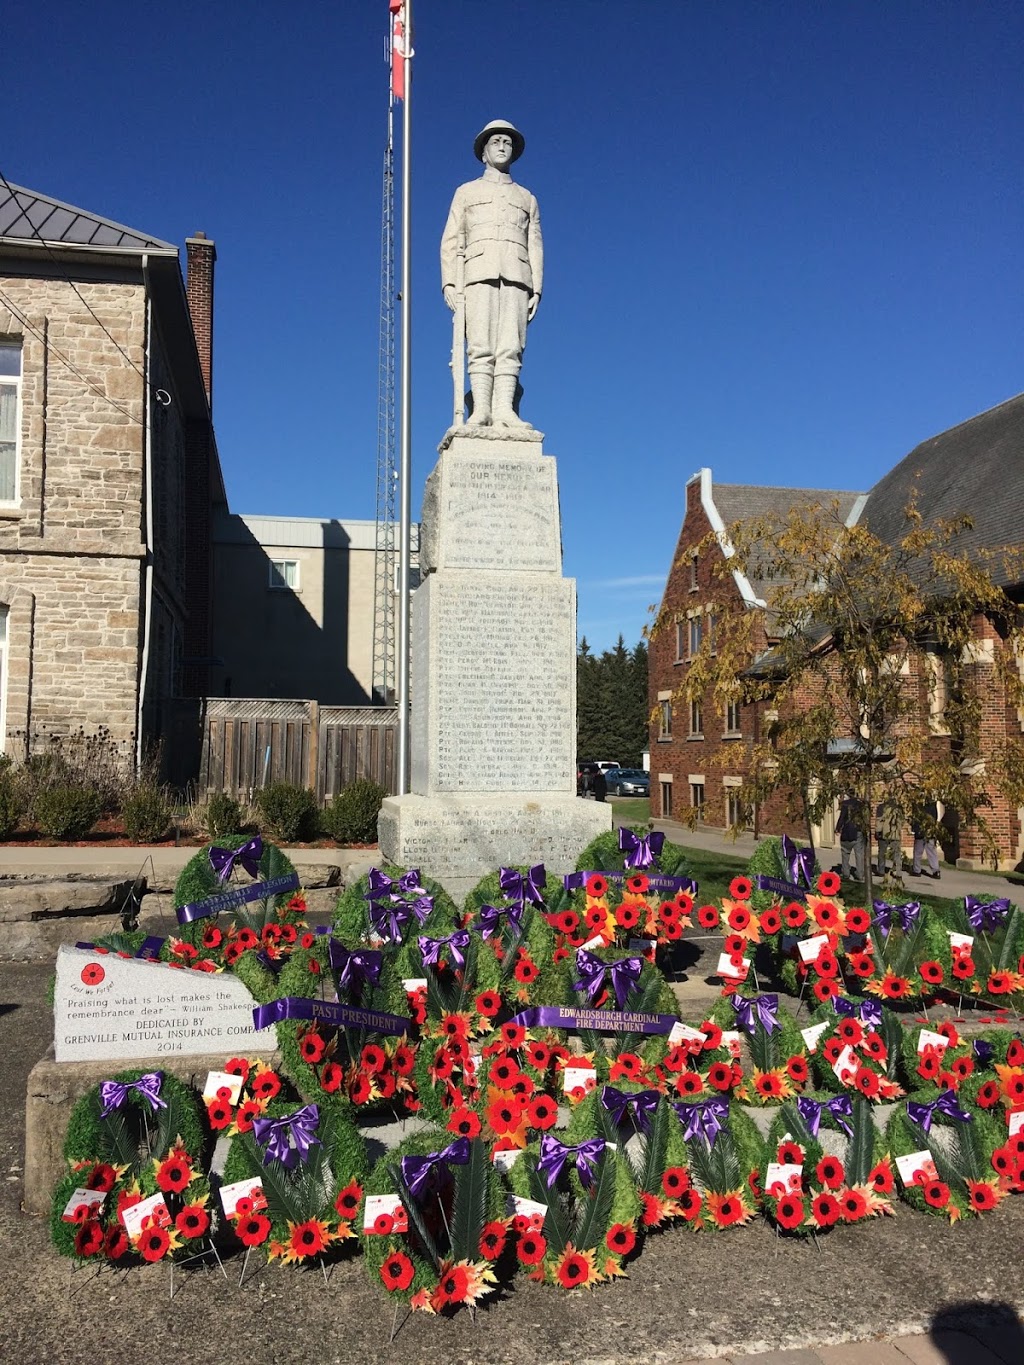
(27,216)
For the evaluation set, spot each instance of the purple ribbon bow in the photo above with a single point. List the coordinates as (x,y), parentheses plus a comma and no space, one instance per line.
(986,916)
(379,884)
(289,1139)
(869,1012)
(423,1173)
(491,916)
(907,915)
(523,886)
(431,948)
(946,1104)
(705,1119)
(983,1050)
(114,1093)
(841,1109)
(624,974)
(765,1007)
(641,852)
(643,1104)
(223,860)
(390,918)
(554,1155)
(355,967)
(799,861)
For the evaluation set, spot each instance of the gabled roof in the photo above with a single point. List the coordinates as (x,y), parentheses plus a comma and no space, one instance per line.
(974,469)
(27,216)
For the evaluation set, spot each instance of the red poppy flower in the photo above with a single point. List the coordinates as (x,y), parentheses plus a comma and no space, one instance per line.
(671,932)
(862,964)
(373,1059)
(504,1116)
(689,1083)
(359,1089)
(895,987)
(488,1003)
(830,1173)
(92,974)
(514,1035)
(768,1085)
(246,939)
(538,1055)
(880,1178)
(858,921)
(825,989)
(1000,983)
(854,1205)
(526,970)
(637,884)
(154,1243)
(670,912)
(707,917)
(851,1031)
(1015,1053)
(397,1272)
(963,968)
(931,973)
(675,1181)
(174,1174)
(726,1209)
(790,1153)
(740,888)
(712,1035)
(192,1221)
(464,1122)
(866,1082)
(988,1095)
(936,1194)
(89,1238)
(219,1113)
(627,1066)
(253,1230)
(595,884)
(331,1077)
(826,1210)
(1014,1088)
(620,1238)
(826,915)
(874,1046)
(567,922)
(101,1177)
(312,1046)
(794,915)
(503,1073)
(532,1248)
(739,917)
(770,921)
(212,937)
(828,883)
(627,916)
(720,1076)
(523,1086)
(542,1112)
(734,944)
(983,1197)
(347,1201)
(826,964)
(796,1068)
(789,1211)
(929,1064)
(116,1243)
(596,917)
(575,1268)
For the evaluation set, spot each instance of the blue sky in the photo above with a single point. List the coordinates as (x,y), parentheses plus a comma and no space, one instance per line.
(783,239)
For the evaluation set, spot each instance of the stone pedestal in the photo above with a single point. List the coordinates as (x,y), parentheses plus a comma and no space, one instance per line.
(493,674)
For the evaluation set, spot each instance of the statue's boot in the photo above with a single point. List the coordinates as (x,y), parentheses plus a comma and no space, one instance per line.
(504,393)
(481,384)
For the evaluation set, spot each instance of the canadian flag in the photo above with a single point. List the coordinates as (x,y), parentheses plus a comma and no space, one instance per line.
(397,8)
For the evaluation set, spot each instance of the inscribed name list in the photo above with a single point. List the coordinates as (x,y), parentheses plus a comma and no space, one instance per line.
(112,1008)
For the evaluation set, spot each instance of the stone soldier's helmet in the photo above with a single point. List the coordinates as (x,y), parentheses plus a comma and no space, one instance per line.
(499,125)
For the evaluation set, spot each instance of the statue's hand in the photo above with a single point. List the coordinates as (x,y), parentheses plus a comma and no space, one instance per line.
(534,304)
(449,296)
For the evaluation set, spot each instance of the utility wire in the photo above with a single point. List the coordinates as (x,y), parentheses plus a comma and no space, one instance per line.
(67,278)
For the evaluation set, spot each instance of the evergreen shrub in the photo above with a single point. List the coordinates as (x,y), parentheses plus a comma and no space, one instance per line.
(66,812)
(351,817)
(289,811)
(147,814)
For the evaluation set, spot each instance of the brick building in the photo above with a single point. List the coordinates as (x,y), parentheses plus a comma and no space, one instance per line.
(109,474)
(699,756)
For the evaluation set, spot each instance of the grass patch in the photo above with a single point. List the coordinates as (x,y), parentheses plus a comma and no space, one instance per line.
(631,809)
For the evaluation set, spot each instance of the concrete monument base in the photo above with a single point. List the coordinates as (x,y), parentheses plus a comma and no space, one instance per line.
(459,839)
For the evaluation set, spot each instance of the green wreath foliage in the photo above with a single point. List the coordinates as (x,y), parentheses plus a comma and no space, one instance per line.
(651,995)
(728,1168)
(352,927)
(962,1161)
(767,861)
(769,1052)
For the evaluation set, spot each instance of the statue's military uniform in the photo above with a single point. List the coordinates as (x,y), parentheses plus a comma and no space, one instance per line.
(504,266)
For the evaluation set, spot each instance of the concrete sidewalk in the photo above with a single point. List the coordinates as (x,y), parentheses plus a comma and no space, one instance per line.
(1000,1342)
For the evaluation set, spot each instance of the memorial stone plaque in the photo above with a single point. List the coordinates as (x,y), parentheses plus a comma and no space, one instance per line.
(113,1008)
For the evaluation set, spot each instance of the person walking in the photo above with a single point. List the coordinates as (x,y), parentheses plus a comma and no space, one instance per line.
(600,785)
(923,823)
(852,843)
(888,834)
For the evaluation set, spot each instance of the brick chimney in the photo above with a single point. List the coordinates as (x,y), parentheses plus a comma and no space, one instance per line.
(199,286)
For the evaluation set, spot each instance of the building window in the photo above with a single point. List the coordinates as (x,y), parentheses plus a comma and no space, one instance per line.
(697,798)
(284,573)
(665,719)
(733,809)
(10,418)
(937,682)
(712,631)
(696,630)
(696,718)
(680,640)
(693,573)
(666,800)
(732,718)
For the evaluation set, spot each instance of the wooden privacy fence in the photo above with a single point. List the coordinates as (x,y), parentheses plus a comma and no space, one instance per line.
(250,742)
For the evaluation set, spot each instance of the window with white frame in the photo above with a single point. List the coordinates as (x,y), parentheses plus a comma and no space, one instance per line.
(696,717)
(284,573)
(680,640)
(697,798)
(10,418)
(696,631)
(666,797)
(734,816)
(732,718)
(665,718)
(712,631)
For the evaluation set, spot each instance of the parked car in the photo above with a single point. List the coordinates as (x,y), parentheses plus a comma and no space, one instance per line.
(628,782)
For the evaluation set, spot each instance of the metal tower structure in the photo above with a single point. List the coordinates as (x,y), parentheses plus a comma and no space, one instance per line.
(384,596)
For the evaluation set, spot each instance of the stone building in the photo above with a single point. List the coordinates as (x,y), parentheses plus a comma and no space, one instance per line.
(109,474)
(699,756)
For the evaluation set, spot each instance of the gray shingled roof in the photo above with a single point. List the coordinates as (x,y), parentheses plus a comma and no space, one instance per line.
(974,469)
(746,502)
(26,215)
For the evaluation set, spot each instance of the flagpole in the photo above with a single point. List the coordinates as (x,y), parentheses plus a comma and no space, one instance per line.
(405,465)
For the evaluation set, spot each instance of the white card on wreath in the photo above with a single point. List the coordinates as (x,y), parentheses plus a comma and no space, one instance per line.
(231,1195)
(1015,1120)
(683,1033)
(578,1077)
(926,1038)
(845,1065)
(915,1167)
(812,1034)
(92,1199)
(506,1158)
(222,1080)
(780,1179)
(413,984)
(519,1207)
(809,948)
(152,1209)
(733,1040)
(961,941)
(378,1205)
(726,967)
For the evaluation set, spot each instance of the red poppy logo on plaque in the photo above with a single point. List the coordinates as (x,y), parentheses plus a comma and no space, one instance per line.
(92,974)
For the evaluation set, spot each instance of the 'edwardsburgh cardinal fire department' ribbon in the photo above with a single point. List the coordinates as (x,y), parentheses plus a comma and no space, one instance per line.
(598,1021)
(339,1016)
(239,895)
